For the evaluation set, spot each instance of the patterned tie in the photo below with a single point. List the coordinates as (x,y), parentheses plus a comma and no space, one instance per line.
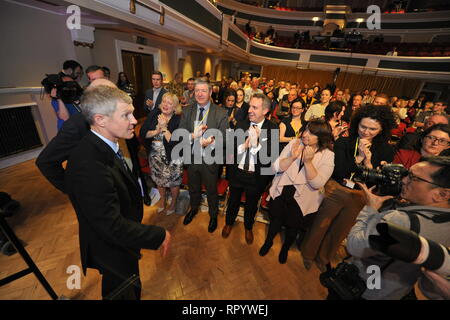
(122,159)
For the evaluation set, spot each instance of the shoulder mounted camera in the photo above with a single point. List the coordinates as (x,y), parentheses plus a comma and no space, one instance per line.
(67,91)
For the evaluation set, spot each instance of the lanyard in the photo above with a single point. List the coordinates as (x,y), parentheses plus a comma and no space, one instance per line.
(204,116)
(354,155)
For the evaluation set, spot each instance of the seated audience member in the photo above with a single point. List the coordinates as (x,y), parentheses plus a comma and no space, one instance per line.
(354,104)
(366,146)
(301,171)
(433,142)
(284,105)
(427,189)
(419,120)
(157,131)
(309,98)
(241,105)
(249,92)
(409,140)
(290,127)
(381,99)
(273,102)
(333,114)
(318,110)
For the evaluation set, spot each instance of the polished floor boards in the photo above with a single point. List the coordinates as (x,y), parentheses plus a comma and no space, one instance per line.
(199,265)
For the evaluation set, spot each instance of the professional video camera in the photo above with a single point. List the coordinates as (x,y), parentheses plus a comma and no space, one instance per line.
(67,91)
(408,246)
(388,179)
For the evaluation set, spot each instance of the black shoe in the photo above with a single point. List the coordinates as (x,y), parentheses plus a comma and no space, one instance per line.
(147,201)
(299,239)
(212,225)
(282,257)
(265,248)
(191,214)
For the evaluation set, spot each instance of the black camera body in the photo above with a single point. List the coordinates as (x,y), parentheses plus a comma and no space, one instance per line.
(388,180)
(67,91)
(345,281)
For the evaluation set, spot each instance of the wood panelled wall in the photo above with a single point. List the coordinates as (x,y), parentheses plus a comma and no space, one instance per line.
(355,82)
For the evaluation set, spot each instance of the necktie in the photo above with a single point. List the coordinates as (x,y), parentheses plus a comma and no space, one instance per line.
(247,155)
(200,116)
(122,159)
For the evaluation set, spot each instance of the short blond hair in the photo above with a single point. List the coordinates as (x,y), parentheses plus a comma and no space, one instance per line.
(175,100)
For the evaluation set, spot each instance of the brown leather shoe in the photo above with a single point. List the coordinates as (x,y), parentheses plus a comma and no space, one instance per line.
(248,236)
(226,231)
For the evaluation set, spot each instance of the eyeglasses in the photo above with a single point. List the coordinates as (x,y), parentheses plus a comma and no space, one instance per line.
(440,141)
(413,177)
(296,108)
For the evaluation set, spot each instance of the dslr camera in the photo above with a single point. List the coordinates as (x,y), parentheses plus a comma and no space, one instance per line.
(408,246)
(67,91)
(388,179)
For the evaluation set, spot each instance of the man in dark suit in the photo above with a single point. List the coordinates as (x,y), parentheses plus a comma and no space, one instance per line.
(153,96)
(57,151)
(196,119)
(106,195)
(246,174)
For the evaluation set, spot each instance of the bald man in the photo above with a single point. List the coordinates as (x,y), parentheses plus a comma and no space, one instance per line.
(57,151)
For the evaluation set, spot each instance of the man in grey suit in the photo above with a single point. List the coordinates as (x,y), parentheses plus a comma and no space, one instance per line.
(153,96)
(197,119)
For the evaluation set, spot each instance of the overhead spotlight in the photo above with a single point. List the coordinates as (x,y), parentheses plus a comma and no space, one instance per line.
(315,19)
(359,20)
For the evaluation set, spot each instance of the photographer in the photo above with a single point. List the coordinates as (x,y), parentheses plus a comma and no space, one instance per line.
(427,188)
(63,109)
(72,69)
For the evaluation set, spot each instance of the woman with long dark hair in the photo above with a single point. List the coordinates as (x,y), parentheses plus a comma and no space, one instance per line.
(125,85)
(301,170)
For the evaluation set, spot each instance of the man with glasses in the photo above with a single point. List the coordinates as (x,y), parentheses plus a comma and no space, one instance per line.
(427,189)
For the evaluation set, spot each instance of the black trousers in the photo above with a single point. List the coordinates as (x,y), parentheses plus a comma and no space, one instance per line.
(206,174)
(114,277)
(284,211)
(240,182)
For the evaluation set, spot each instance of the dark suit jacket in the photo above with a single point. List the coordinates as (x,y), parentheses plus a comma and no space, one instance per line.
(58,149)
(265,140)
(108,203)
(149,95)
(217,119)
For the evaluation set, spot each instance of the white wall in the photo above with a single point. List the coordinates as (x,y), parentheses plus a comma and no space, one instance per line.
(34,43)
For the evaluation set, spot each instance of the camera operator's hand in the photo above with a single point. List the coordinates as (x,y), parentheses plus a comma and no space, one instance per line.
(441,284)
(372,200)
(53,93)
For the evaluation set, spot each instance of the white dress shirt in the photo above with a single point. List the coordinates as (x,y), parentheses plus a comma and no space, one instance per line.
(253,151)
